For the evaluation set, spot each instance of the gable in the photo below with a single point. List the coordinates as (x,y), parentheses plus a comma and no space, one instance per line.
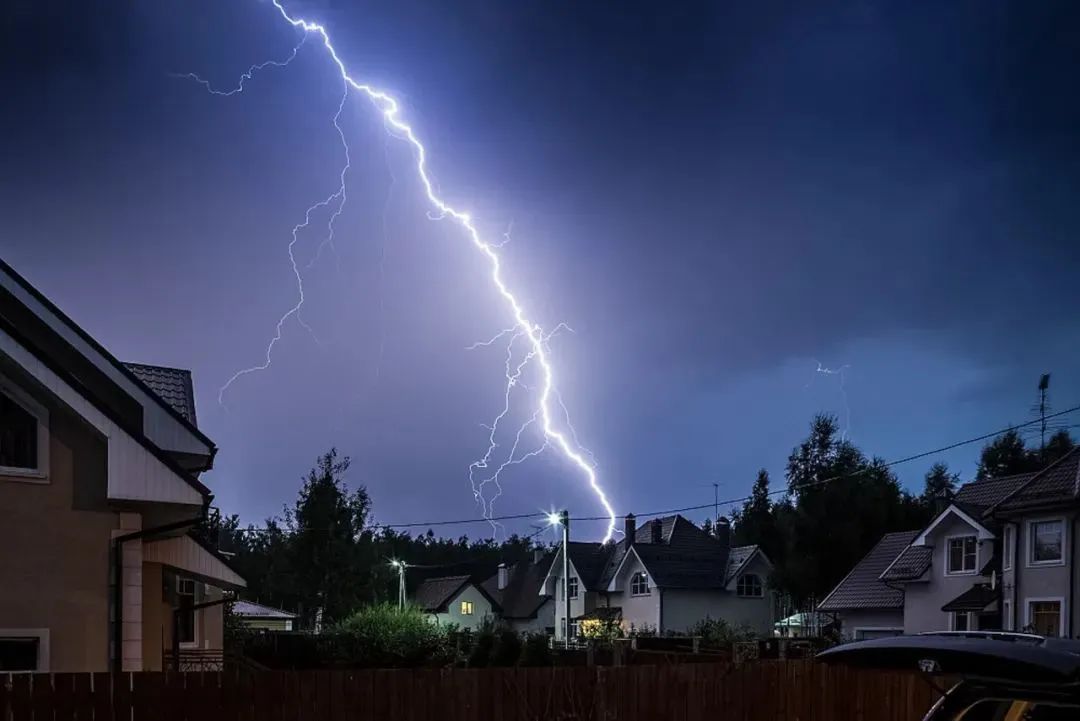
(952,520)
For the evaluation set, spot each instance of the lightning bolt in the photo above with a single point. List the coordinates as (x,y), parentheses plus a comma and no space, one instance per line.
(535,339)
(841,374)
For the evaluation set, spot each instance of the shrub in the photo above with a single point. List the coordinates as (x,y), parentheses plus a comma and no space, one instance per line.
(536,650)
(718,633)
(387,637)
(507,649)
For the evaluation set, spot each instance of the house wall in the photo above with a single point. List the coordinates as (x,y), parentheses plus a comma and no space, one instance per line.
(863,623)
(156,618)
(55,572)
(545,619)
(586,600)
(481,609)
(637,611)
(923,601)
(1024,581)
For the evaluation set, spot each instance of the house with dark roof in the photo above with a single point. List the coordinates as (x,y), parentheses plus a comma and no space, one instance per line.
(999,556)
(99,488)
(665,576)
(511,596)
(258,617)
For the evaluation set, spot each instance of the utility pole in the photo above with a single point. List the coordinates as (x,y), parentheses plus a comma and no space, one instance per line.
(564,519)
(400,566)
(715,501)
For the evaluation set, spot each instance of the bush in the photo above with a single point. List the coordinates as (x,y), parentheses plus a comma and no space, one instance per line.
(718,633)
(507,649)
(384,636)
(536,650)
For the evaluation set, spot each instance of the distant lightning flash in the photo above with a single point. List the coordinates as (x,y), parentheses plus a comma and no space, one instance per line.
(536,341)
(841,373)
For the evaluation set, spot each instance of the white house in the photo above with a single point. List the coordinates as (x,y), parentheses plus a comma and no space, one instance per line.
(665,576)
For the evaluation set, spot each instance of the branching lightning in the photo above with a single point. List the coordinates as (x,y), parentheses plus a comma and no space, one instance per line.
(841,374)
(536,349)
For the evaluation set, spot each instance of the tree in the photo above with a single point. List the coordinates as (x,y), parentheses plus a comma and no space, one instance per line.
(328,540)
(1059,444)
(939,483)
(754,522)
(1006,455)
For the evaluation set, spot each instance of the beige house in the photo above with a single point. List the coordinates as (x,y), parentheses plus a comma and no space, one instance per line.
(99,489)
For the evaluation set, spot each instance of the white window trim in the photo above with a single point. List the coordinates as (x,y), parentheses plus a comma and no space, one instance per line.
(1062,615)
(856,630)
(42,635)
(471,607)
(648,586)
(948,540)
(575,587)
(761,585)
(952,620)
(1008,546)
(1006,615)
(1029,528)
(194,614)
(31,406)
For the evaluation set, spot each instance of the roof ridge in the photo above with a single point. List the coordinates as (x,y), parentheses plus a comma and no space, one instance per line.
(1030,481)
(157,366)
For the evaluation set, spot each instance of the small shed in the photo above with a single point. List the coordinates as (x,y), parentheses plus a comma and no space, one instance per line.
(257,616)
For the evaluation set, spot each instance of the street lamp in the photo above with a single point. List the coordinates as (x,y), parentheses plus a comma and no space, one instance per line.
(400,566)
(563,519)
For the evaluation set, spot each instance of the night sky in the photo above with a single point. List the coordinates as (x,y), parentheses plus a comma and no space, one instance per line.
(715,196)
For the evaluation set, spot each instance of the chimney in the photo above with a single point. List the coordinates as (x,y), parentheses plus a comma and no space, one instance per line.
(504,576)
(629,529)
(723,531)
(657,530)
(538,555)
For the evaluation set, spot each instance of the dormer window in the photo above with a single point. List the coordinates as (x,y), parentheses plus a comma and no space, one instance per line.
(24,434)
(750,586)
(962,555)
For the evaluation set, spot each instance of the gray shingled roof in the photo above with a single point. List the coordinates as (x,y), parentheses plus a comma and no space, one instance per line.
(172,385)
(1058,482)
(863,587)
(976,598)
(434,594)
(521,598)
(250,609)
(992,490)
(910,564)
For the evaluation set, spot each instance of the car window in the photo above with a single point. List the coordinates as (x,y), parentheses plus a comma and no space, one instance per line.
(1010,710)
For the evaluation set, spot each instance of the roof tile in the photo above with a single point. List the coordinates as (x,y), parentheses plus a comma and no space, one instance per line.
(863,587)
(172,385)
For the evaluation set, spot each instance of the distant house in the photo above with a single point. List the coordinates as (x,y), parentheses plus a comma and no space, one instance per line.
(665,576)
(999,557)
(264,618)
(867,605)
(99,488)
(510,596)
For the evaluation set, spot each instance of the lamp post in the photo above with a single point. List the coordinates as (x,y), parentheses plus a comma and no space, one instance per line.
(563,519)
(400,566)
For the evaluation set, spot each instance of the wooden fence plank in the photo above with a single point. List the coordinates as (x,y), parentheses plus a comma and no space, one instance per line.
(41,695)
(20,696)
(63,696)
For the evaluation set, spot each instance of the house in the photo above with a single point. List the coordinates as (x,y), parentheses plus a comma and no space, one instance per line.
(99,488)
(665,576)
(999,556)
(510,596)
(263,618)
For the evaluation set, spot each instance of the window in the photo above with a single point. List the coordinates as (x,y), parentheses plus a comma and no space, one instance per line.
(466,608)
(1045,616)
(1046,539)
(1006,615)
(185,594)
(639,584)
(749,586)
(573,586)
(963,552)
(24,649)
(1009,545)
(24,437)
(959,621)
(575,629)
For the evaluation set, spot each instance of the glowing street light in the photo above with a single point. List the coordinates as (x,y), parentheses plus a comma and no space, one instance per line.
(400,566)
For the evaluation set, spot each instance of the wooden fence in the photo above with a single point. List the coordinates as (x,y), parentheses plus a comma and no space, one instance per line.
(763,691)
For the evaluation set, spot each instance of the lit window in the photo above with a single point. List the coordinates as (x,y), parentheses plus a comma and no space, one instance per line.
(1009,544)
(639,584)
(962,554)
(750,586)
(1047,542)
(1044,617)
(185,594)
(960,621)
(573,587)
(466,608)
(24,440)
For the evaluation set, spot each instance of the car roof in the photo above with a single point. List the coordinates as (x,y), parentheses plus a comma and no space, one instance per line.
(1046,661)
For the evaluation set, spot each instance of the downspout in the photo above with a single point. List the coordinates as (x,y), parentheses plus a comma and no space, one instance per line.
(118,586)
(1072,579)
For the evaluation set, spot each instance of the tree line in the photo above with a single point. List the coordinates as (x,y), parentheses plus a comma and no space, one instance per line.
(324,551)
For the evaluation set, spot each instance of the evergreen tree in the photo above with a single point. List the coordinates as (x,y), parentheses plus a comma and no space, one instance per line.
(1006,455)
(939,483)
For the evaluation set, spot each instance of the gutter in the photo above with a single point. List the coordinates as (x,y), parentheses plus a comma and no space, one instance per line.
(118,586)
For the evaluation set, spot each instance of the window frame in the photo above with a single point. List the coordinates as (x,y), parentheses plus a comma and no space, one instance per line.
(42,636)
(194,595)
(744,577)
(1063,617)
(1030,537)
(957,614)
(1008,546)
(22,399)
(635,578)
(574,587)
(467,608)
(948,554)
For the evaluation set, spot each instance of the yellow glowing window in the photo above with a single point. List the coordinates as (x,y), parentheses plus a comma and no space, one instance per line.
(466,608)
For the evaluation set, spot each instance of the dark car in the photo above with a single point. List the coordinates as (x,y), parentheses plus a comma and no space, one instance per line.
(1002,677)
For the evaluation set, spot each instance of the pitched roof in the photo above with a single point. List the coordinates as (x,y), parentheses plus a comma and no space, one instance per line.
(975,598)
(172,385)
(434,594)
(1058,482)
(990,491)
(521,598)
(737,558)
(250,609)
(590,561)
(863,587)
(910,564)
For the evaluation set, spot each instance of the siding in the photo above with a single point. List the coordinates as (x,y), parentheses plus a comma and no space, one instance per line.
(481,609)
(1042,581)
(639,611)
(870,618)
